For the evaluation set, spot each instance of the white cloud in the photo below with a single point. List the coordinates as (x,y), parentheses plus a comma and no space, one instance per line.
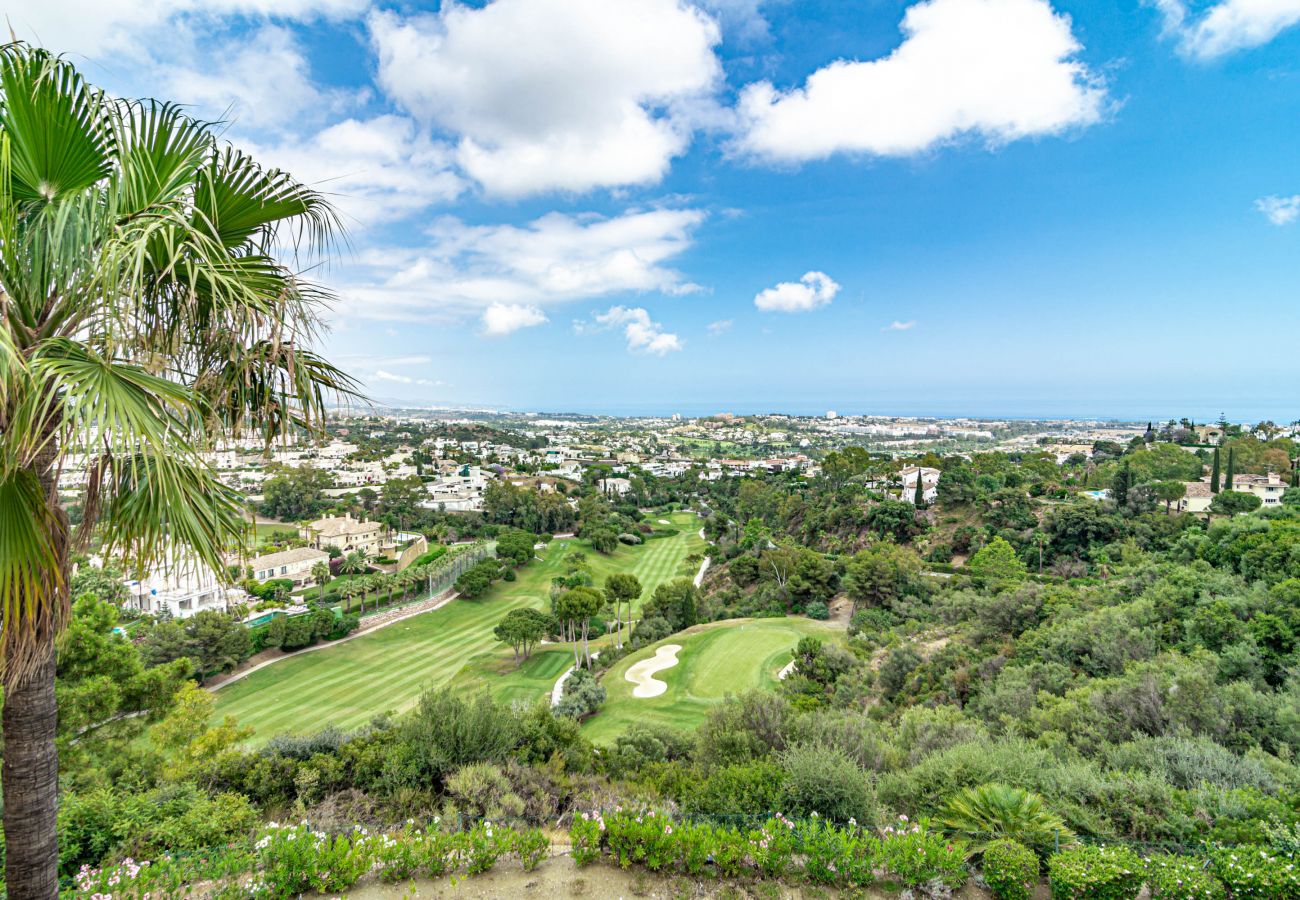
(554,94)
(107,26)
(1228,25)
(1280,210)
(998,69)
(899,326)
(643,334)
(813,290)
(720,327)
(375,170)
(552,260)
(394,378)
(261,81)
(743,19)
(503,318)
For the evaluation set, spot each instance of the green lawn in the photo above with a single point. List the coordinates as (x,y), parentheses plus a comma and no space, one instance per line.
(386,671)
(716,659)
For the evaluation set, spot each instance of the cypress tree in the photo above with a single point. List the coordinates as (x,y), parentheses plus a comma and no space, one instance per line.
(1119,486)
(1232,465)
(918,500)
(1214,473)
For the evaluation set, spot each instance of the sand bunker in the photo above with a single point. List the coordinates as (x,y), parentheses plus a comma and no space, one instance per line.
(664,522)
(643,673)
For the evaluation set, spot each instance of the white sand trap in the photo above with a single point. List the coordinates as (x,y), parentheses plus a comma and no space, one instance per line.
(664,522)
(643,673)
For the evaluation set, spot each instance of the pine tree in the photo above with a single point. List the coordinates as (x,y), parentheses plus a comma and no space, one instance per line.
(1119,486)
(1214,473)
(1232,466)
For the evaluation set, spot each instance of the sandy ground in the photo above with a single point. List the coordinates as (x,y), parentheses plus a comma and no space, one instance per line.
(642,674)
(785,672)
(559,877)
(664,522)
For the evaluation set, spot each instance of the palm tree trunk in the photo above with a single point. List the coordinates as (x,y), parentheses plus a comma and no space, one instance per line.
(30,769)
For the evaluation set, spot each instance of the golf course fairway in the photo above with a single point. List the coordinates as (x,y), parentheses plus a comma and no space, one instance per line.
(386,671)
(716,659)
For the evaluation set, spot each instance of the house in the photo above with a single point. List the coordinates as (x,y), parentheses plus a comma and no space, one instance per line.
(295,565)
(614,486)
(929,483)
(346,533)
(181,586)
(1268,488)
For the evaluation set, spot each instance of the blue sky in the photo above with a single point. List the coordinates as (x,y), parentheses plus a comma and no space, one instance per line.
(998,207)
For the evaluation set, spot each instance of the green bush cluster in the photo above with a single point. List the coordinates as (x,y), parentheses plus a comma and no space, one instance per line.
(815,850)
(1010,869)
(1172,877)
(1095,873)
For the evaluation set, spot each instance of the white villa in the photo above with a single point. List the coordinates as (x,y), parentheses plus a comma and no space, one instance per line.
(181,586)
(614,486)
(929,483)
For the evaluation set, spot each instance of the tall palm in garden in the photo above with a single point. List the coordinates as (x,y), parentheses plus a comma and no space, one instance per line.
(142,315)
(320,573)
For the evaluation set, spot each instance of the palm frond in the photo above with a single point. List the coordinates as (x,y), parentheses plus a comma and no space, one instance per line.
(31,578)
(157,502)
(237,200)
(160,149)
(60,139)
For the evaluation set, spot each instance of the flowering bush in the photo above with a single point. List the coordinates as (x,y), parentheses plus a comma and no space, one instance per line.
(641,837)
(586,835)
(1182,878)
(729,851)
(917,856)
(825,849)
(1250,871)
(772,846)
(694,847)
(531,846)
(1010,869)
(294,859)
(1095,873)
(481,847)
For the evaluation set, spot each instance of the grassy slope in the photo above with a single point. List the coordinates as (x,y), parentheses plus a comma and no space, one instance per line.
(716,659)
(386,671)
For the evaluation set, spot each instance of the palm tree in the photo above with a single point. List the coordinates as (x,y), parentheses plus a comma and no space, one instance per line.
(993,812)
(354,563)
(142,316)
(320,573)
(390,584)
(349,591)
(373,584)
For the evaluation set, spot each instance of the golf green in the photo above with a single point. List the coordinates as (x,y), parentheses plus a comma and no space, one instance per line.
(715,660)
(348,684)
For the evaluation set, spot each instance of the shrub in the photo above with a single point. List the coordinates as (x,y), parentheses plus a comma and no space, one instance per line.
(1095,873)
(825,850)
(586,836)
(1010,869)
(823,781)
(917,856)
(772,846)
(816,609)
(531,846)
(994,811)
(1253,871)
(1181,878)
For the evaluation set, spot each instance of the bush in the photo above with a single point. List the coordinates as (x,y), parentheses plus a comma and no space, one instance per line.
(919,857)
(994,811)
(1095,873)
(1181,878)
(818,610)
(824,781)
(1254,871)
(1010,869)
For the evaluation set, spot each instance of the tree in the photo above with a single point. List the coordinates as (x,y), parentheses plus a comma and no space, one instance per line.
(620,588)
(1232,469)
(516,546)
(1119,486)
(1170,492)
(577,606)
(1214,473)
(295,493)
(354,563)
(320,573)
(918,497)
(881,574)
(1230,503)
(143,317)
(996,562)
(522,629)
